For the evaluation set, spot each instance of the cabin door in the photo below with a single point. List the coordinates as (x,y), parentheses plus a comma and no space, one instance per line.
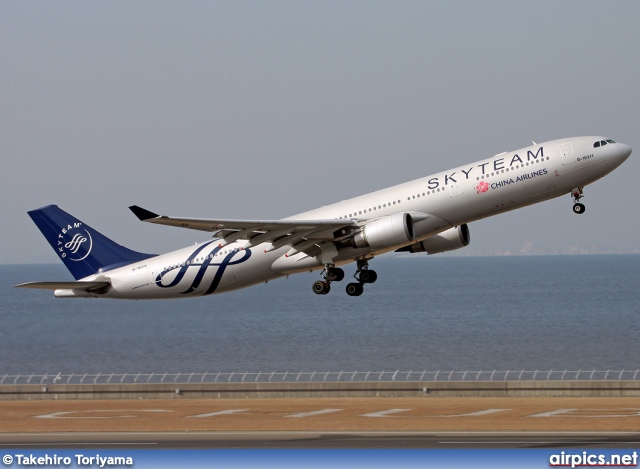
(566,151)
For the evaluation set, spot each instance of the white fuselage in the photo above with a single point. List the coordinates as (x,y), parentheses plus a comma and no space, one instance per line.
(461,195)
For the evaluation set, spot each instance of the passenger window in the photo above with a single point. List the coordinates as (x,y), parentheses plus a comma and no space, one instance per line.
(596,145)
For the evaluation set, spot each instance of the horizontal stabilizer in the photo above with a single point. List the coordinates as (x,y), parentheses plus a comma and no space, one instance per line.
(85,286)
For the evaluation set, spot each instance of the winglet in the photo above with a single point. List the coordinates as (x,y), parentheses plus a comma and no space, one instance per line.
(143,214)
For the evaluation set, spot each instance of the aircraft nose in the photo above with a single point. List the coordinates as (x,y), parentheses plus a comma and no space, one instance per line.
(618,154)
(622,152)
(625,151)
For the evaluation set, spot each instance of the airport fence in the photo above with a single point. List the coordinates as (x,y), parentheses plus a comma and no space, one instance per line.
(320,376)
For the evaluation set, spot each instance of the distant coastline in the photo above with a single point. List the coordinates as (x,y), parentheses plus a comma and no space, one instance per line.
(571,251)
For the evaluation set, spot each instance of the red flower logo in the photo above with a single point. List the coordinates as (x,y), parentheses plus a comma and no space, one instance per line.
(482,187)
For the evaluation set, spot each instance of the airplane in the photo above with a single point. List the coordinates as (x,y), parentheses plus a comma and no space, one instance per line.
(430,214)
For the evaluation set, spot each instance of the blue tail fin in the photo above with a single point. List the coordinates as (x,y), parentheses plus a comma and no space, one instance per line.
(83,250)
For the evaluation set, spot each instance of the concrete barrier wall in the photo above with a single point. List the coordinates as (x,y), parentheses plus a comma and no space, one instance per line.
(323,389)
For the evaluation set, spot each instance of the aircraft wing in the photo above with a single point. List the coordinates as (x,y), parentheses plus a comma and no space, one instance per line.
(278,232)
(86,286)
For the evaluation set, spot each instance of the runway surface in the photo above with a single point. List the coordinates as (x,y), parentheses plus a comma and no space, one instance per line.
(540,422)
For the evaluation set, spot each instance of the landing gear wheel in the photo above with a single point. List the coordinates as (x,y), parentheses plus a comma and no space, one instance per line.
(363,275)
(577,194)
(355,289)
(335,274)
(321,288)
(330,274)
(578,208)
(368,276)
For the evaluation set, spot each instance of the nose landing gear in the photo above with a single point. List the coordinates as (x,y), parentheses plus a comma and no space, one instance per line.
(577,195)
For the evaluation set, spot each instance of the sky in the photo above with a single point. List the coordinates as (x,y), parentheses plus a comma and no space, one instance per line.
(261,110)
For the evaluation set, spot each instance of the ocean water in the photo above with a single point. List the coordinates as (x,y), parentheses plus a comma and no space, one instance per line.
(423,313)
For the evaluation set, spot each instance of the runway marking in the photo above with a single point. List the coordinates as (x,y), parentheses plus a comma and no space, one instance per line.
(478,413)
(317,412)
(222,412)
(384,413)
(633,413)
(588,413)
(552,413)
(63,415)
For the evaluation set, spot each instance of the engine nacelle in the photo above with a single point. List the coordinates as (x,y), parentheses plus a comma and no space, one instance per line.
(386,232)
(454,238)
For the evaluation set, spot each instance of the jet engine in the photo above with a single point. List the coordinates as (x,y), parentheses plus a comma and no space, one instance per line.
(385,232)
(454,238)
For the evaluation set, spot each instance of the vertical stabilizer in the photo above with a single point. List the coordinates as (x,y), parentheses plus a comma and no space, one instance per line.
(83,250)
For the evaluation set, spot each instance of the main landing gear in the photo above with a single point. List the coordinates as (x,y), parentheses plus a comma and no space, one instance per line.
(331,273)
(577,195)
(363,275)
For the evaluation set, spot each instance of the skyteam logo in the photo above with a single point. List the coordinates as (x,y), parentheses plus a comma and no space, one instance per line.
(74,242)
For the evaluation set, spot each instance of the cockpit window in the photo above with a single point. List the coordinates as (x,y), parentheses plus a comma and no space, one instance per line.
(602,143)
